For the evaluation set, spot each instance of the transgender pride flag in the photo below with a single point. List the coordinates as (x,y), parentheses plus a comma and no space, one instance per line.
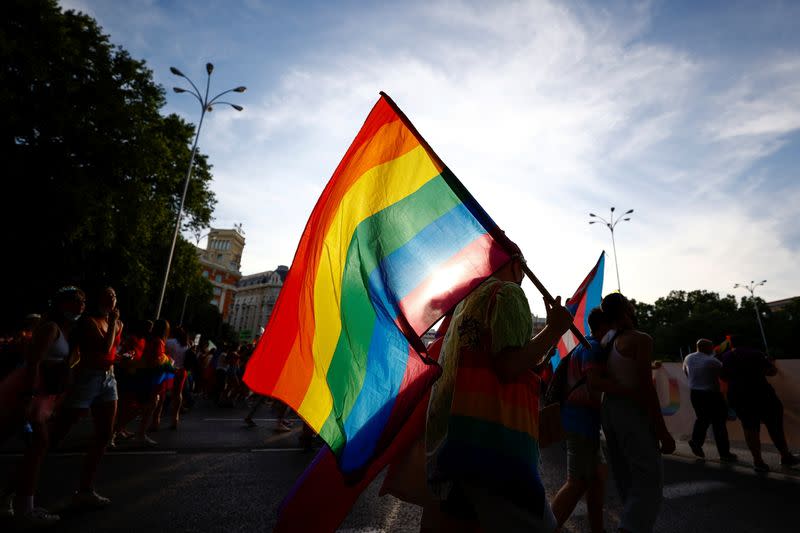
(587,297)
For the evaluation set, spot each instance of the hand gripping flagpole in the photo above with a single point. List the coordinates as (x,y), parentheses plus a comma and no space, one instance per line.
(549,299)
(495,232)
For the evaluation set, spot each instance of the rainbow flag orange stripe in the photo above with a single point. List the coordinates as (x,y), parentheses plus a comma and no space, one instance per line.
(394,242)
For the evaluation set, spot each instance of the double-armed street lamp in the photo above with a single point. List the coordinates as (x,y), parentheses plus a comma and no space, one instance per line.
(611,224)
(752,289)
(206,104)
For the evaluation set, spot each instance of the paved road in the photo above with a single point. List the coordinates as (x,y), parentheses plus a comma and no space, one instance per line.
(215,474)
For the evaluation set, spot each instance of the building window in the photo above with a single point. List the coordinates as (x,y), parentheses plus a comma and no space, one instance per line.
(218,278)
(217,291)
(205,273)
(214,302)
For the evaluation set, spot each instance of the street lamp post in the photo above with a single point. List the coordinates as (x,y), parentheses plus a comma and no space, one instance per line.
(611,224)
(752,289)
(198,236)
(206,104)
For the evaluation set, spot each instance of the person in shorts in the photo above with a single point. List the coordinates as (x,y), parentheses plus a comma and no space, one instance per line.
(95,340)
(580,416)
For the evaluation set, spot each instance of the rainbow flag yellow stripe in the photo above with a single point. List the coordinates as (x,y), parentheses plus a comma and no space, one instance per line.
(394,242)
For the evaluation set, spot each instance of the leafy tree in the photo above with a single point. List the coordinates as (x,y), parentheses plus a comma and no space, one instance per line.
(677,320)
(95,168)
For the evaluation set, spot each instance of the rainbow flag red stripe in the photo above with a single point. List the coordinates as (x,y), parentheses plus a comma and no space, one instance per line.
(394,242)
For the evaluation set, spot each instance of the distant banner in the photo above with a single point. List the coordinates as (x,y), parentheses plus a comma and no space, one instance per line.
(673,394)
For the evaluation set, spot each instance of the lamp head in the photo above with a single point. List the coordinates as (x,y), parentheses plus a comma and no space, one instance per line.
(237,107)
(176,71)
(629,211)
(592,215)
(592,221)
(612,209)
(209,68)
(240,89)
(178,90)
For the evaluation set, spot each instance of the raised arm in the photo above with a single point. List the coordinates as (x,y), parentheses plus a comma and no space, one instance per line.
(114,328)
(512,362)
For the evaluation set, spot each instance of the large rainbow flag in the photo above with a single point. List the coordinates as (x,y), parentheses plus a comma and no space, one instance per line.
(394,242)
(588,296)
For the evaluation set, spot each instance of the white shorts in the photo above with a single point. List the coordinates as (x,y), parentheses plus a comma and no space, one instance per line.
(91,386)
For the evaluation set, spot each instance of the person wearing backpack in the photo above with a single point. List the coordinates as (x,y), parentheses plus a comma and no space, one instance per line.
(580,418)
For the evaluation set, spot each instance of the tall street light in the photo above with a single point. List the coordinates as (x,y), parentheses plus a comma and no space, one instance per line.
(752,288)
(611,224)
(206,104)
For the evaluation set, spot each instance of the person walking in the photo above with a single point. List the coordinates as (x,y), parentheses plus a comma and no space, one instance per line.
(703,370)
(482,454)
(176,348)
(754,400)
(633,424)
(580,415)
(152,374)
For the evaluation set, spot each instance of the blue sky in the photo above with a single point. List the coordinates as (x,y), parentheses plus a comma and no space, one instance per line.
(545,110)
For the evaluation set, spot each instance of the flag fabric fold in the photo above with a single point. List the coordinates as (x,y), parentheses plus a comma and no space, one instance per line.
(323,481)
(393,243)
(588,296)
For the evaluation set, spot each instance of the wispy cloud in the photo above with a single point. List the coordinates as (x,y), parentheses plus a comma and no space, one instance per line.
(546,111)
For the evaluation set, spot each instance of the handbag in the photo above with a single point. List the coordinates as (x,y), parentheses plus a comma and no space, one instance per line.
(551,430)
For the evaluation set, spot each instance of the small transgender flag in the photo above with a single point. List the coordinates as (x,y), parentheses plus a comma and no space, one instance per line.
(587,297)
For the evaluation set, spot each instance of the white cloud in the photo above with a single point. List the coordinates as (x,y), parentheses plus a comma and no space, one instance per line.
(546,113)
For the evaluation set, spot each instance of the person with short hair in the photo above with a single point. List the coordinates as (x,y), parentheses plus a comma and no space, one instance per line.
(703,369)
(634,427)
(754,400)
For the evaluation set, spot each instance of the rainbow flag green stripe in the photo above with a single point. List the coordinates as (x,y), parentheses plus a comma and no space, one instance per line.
(393,243)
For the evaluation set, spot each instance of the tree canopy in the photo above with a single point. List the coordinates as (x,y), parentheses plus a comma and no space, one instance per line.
(96,170)
(677,320)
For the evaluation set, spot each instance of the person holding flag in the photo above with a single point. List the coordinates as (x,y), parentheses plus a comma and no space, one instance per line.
(580,415)
(393,244)
(482,454)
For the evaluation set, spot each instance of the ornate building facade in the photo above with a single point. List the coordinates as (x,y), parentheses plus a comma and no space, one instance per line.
(254,299)
(220,262)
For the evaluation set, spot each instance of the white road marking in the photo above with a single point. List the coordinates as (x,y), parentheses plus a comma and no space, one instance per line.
(262,450)
(240,420)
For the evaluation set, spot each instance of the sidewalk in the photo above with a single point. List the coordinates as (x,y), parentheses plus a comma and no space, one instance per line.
(745,461)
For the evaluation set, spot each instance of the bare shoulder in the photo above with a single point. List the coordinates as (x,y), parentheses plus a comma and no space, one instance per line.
(635,344)
(641,338)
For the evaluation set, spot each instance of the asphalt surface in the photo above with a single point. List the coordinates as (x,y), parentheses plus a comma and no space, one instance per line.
(214,474)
